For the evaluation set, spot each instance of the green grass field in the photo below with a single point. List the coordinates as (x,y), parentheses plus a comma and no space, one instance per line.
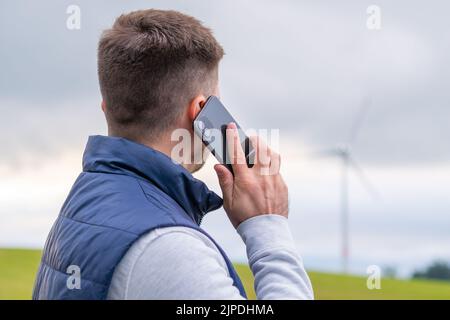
(18,268)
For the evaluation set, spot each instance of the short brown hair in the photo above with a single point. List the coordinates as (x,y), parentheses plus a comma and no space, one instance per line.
(150,64)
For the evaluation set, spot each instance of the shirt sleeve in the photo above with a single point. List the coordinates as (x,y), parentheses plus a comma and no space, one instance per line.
(183,263)
(274,260)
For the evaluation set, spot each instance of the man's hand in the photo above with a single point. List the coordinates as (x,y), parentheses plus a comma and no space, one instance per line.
(252,191)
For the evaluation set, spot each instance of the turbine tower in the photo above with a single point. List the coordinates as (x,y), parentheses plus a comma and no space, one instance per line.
(348,163)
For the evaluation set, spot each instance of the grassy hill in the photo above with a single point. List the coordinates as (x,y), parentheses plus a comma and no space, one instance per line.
(18,268)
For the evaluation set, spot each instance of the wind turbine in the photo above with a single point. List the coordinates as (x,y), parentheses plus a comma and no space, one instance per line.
(345,155)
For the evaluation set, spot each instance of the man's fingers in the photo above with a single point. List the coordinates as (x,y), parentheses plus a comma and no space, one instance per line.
(262,152)
(265,158)
(275,163)
(236,154)
(225,181)
(254,145)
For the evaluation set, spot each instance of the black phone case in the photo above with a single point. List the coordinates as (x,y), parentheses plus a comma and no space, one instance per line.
(215,116)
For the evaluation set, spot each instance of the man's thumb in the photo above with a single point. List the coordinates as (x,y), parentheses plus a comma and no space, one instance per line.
(225,180)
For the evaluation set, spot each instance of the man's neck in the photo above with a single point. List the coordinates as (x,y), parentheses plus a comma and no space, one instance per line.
(163,144)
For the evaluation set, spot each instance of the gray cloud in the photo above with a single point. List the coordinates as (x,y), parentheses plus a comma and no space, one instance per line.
(302,67)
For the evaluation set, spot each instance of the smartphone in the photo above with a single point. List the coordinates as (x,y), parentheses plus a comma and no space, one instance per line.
(211,124)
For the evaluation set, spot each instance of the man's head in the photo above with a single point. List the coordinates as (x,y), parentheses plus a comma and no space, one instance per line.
(155,70)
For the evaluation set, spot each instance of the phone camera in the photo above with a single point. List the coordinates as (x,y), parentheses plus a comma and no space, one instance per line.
(205,131)
(201,125)
(207,134)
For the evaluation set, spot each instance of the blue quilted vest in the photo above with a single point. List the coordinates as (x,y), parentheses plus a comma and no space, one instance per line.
(125,190)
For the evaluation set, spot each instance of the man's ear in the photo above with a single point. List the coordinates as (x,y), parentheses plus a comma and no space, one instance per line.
(195,106)
(104,106)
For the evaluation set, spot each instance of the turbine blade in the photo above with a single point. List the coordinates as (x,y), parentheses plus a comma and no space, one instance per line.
(326,153)
(359,119)
(359,172)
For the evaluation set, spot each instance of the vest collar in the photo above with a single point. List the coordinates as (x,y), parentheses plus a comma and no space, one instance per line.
(122,156)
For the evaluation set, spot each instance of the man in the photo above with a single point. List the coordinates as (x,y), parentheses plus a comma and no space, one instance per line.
(130,227)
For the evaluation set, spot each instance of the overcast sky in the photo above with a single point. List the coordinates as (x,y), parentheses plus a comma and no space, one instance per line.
(304,67)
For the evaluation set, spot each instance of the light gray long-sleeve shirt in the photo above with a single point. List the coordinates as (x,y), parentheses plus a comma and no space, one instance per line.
(183,263)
